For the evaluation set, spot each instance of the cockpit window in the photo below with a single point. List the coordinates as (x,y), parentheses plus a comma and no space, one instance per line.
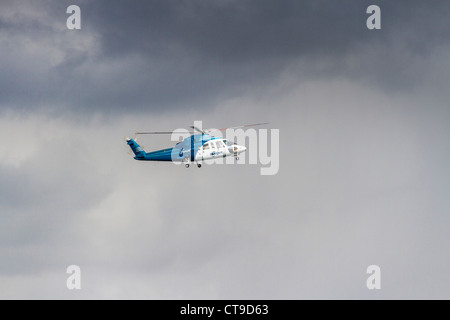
(228,143)
(206,146)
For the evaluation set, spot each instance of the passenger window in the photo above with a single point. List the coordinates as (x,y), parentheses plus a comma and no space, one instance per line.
(219,144)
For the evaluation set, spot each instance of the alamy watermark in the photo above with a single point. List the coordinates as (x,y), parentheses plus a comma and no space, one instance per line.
(374,280)
(74,280)
(74,20)
(374,20)
(242,146)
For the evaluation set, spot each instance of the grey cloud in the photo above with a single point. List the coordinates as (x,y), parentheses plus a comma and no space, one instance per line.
(358,185)
(41,201)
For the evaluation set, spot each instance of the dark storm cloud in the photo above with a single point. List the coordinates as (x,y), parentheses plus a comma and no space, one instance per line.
(150,55)
(241,31)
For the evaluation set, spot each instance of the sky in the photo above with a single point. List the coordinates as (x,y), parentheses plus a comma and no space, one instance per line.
(363,166)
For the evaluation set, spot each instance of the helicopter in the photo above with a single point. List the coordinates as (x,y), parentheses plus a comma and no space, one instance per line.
(201,145)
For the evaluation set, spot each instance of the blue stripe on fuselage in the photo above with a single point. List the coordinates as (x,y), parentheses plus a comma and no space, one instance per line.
(160,155)
(187,148)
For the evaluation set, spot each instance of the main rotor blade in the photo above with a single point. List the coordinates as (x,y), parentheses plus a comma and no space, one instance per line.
(244,126)
(203,131)
(196,128)
(159,132)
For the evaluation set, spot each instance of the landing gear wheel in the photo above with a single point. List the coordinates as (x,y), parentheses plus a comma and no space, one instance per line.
(237,158)
(187,165)
(199,165)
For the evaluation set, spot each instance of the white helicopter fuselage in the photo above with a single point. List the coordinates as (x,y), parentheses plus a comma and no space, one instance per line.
(218,148)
